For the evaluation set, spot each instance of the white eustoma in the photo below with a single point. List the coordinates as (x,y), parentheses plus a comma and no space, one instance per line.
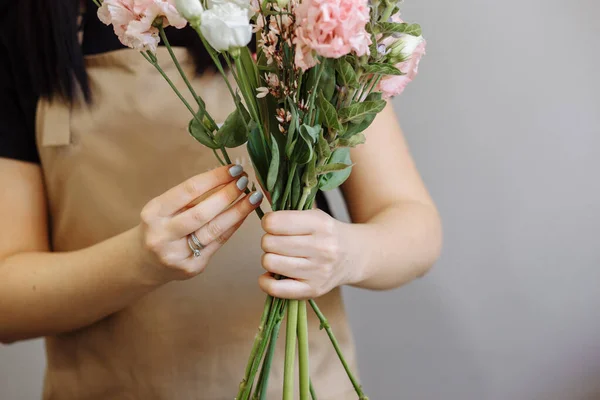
(245,4)
(409,44)
(191,10)
(226,26)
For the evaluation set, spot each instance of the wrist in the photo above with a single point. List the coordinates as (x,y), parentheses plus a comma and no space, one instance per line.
(357,254)
(147,271)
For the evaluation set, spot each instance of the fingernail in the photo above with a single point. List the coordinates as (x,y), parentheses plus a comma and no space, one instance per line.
(236,170)
(242,183)
(256,198)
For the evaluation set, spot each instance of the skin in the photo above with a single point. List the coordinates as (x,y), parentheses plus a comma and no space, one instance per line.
(395,237)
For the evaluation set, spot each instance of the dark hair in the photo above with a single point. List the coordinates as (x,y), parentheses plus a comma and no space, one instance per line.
(54,57)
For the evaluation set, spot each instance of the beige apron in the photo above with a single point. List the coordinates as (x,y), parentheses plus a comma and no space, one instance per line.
(186,340)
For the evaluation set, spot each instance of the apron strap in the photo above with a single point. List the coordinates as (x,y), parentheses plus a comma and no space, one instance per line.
(53,117)
(53,122)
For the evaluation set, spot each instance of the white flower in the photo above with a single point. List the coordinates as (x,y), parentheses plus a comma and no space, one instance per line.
(226,26)
(245,4)
(262,92)
(408,43)
(191,10)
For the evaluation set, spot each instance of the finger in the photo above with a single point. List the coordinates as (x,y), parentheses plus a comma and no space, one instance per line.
(195,265)
(194,218)
(231,217)
(181,195)
(285,288)
(292,267)
(292,246)
(292,222)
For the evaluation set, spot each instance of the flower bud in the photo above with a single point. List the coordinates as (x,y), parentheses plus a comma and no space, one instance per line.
(191,10)
(406,45)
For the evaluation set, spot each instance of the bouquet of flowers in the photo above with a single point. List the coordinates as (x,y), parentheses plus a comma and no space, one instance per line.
(322,71)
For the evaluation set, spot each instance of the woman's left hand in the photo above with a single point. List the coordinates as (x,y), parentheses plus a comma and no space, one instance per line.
(310,248)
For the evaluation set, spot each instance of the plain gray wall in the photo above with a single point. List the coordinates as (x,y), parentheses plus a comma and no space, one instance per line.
(504,123)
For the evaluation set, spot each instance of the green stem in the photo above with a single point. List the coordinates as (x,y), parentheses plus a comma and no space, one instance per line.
(288,186)
(278,305)
(225,155)
(200,102)
(263,378)
(374,85)
(338,350)
(290,350)
(248,93)
(237,80)
(305,193)
(313,394)
(303,351)
(216,60)
(170,82)
(387,13)
(152,60)
(230,65)
(218,158)
(219,66)
(257,340)
(314,93)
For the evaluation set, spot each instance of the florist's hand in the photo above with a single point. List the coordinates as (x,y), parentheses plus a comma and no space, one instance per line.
(200,205)
(310,248)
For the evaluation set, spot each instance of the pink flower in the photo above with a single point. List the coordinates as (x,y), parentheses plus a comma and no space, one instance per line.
(330,28)
(132,20)
(394,85)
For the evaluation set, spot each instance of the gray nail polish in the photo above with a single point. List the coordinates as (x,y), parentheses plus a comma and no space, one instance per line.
(236,170)
(255,198)
(242,183)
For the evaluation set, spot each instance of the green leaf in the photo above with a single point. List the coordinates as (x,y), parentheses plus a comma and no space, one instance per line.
(296,190)
(289,148)
(310,174)
(334,179)
(353,129)
(311,131)
(352,141)
(328,111)
(274,167)
(201,134)
(346,73)
(291,134)
(277,190)
(323,148)
(395,27)
(257,149)
(303,148)
(327,82)
(357,112)
(374,96)
(233,132)
(333,167)
(249,67)
(382,69)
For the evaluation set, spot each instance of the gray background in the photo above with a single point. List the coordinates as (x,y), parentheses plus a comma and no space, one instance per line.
(504,123)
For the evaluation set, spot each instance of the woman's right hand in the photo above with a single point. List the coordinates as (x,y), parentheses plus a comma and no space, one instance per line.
(169,219)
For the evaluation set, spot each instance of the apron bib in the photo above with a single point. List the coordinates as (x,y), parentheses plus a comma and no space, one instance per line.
(186,340)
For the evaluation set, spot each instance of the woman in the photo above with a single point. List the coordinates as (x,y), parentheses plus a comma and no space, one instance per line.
(100,197)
